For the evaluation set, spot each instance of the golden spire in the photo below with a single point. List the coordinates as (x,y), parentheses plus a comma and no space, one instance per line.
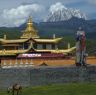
(29,24)
(29,31)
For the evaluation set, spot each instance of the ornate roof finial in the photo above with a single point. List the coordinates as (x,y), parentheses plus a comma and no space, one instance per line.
(29,30)
(29,19)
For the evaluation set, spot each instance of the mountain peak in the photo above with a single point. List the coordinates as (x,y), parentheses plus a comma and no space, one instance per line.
(58,12)
(57,7)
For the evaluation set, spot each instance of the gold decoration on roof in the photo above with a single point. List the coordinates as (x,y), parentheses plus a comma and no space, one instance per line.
(29,31)
(55,40)
(64,51)
(16,41)
(4,41)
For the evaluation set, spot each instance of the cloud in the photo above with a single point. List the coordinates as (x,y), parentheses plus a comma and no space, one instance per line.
(57,6)
(17,16)
(92,2)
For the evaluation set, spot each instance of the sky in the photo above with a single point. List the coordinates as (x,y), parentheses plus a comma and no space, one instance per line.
(15,12)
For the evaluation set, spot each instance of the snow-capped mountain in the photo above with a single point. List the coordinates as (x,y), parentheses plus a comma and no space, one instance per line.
(62,14)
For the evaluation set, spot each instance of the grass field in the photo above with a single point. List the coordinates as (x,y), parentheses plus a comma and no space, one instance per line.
(64,89)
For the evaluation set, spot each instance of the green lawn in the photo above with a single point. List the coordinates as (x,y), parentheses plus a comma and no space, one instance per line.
(64,89)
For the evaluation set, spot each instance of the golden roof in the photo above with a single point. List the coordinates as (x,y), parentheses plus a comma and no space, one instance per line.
(4,41)
(29,31)
(6,45)
(55,40)
(64,51)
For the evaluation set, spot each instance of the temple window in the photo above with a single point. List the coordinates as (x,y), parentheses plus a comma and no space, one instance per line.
(48,46)
(35,46)
(53,46)
(39,46)
(44,46)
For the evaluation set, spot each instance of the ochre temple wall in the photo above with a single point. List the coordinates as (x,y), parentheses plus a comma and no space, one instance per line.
(49,62)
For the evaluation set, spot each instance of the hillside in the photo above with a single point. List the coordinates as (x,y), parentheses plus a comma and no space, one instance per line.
(60,28)
(69,27)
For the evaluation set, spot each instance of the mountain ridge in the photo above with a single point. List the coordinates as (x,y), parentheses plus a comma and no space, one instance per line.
(60,28)
(61,13)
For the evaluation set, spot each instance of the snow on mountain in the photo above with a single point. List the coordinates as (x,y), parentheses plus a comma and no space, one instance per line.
(58,12)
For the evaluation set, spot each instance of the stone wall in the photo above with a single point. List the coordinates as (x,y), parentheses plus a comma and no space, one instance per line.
(46,75)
